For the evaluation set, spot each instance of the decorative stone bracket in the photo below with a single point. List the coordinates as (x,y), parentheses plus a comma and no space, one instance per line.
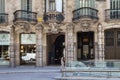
(54,28)
(24,26)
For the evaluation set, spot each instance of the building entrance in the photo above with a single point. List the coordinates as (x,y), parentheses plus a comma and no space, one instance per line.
(55,48)
(112,44)
(85,42)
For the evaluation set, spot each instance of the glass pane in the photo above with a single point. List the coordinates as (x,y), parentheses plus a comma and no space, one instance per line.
(26,5)
(4,55)
(28,53)
(85,3)
(114,4)
(4,39)
(59,5)
(52,5)
(28,39)
(2,6)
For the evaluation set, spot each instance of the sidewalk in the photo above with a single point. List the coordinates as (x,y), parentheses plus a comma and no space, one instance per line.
(29,69)
(38,73)
(30,73)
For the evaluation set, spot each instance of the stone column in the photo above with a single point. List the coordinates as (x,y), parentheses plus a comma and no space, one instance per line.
(12,47)
(69,44)
(100,43)
(100,61)
(96,45)
(39,46)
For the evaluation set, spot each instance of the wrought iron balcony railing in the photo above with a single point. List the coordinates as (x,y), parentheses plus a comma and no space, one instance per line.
(85,12)
(3,18)
(112,14)
(22,15)
(53,17)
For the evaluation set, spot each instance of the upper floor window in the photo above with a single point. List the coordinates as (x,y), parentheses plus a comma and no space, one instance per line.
(2,6)
(54,5)
(26,5)
(114,4)
(114,9)
(85,3)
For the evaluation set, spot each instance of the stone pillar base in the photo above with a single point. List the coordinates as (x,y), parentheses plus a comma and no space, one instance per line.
(39,62)
(12,63)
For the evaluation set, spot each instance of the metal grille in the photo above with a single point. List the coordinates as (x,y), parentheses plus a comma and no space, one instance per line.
(109,38)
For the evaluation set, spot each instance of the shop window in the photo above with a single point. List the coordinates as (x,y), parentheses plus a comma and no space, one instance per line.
(4,48)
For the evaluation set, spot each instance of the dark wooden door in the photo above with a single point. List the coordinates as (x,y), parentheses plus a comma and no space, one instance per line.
(112,44)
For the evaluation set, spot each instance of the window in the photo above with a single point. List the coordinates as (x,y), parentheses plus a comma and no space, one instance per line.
(85,7)
(85,3)
(2,6)
(54,5)
(115,6)
(26,5)
(2,10)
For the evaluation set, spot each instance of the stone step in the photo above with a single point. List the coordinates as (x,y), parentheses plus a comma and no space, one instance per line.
(80,78)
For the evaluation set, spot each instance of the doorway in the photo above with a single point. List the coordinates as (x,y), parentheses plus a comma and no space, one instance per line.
(55,46)
(112,44)
(85,42)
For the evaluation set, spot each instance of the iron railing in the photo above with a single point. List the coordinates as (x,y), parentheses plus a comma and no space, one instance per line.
(23,15)
(56,17)
(112,14)
(3,18)
(85,12)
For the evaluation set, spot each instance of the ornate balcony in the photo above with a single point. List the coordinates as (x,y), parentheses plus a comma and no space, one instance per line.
(3,18)
(53,17)
(25,16)
(85,14)
(112,15)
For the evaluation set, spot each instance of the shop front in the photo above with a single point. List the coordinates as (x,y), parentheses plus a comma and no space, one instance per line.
(28,49)
(4,48)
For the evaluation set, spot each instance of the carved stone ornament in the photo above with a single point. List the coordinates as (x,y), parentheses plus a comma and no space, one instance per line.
(25,26)
(70,26)
(39,27)
(54,28)
(85,25)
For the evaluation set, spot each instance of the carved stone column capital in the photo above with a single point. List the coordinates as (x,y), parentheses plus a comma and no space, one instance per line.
(25,26)
(39,27)
(70,26)
(100,28)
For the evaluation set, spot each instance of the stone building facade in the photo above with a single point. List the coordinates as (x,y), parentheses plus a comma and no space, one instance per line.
(80,30)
